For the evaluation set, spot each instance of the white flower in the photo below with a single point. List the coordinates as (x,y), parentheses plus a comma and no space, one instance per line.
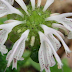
(6,29)
(49,31)
(46,53)
(6,8)
(49,44)
(17,50)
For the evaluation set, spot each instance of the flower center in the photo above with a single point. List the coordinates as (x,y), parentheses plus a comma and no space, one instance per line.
(36,18)
(31,22)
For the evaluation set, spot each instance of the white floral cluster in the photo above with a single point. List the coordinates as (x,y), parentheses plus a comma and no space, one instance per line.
(49,43)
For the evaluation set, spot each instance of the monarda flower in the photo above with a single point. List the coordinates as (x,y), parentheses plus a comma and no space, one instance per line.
(37,19)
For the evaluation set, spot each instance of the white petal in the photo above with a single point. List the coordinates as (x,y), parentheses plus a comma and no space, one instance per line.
(8,55)
(48,30)
(23,37)
(9,21)
(39,3)
(22,4)
(47,69)
(3,36)
(10,1)
(43,48)
(33,4)
(47,40)
(48,3)
(56,44)
(50,57)
(11,9)
(54,25)
(20,50)
(54,52)
(14,63)
(59,17)
(65,46)
(3,49)
(8,27)
(46,56)
(21,58)
(67,22)
(64,15)
(55,17)
(41,59)
(70,35)
(3,14)
(60,34)
(3,11)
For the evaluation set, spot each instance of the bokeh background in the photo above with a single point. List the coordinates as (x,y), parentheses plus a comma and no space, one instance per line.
(28,65)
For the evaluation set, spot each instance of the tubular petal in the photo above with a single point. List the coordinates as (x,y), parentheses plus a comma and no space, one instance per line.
(22,4)
(41,59)
(54,52)
(14,63)
(38,3)
(46,59)
(48,3)
(70,35)
(65,46)
(18,46)
(11,9)
(56,44)
(3,49)
(54,25)
(33,4)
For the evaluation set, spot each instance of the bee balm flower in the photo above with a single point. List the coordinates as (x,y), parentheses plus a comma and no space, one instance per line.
(33,18)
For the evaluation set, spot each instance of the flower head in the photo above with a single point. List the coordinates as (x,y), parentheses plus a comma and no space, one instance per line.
(33,19)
